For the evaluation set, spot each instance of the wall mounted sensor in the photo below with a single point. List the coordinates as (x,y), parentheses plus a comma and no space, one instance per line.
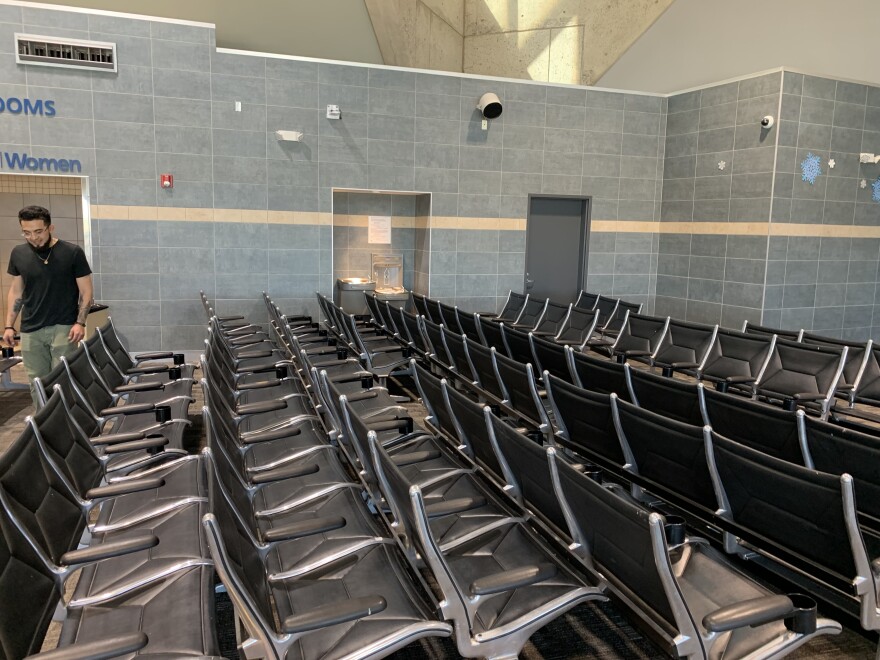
(333,112)
(767,121)
(289,136)
(490,105)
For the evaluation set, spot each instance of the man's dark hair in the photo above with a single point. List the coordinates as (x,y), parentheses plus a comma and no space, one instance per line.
(35,213)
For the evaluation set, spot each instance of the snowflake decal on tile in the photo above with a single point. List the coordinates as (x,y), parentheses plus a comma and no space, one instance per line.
(863,184)
(876,190)
(722,164)
(810,168)
(831,164)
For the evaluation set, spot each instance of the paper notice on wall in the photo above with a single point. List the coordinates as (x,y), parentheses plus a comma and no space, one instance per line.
(379,229)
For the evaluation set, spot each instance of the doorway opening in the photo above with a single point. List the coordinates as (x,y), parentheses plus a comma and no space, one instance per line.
(557,241)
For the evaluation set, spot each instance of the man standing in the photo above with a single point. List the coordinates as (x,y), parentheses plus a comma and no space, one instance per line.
(52,287)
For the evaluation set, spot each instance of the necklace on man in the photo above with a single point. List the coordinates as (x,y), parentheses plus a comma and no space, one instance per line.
(46,259)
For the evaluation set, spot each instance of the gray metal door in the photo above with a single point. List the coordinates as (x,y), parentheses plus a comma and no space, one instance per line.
(557,231)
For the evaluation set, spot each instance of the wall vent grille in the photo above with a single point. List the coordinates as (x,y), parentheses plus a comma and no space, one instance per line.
(68,53)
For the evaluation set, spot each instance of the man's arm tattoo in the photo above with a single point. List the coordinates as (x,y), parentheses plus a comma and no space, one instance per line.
(12,313)
(84,308)
(17,305)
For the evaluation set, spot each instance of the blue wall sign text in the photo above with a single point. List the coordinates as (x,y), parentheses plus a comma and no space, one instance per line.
(25,163)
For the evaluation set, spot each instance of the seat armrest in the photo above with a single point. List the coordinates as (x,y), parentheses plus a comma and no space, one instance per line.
(150,386)
(260,407)
(740,380)
(512,579)
(386,349)
(809,396)
(753,612)
(259,385)
(402,424)
(362,396)
(125,487)
(149,369)
(684,365)
(635,352)
(286,472)
(304,528)
(109,647)
(154,442)
(333,614)
(298,318)
(255,437)
(128,409)
(231,317)
(252,355)
(109,549)
(401,460)
(114,438)
(456,505)
(154,355)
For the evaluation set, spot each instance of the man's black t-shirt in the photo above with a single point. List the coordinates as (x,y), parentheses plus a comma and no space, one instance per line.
(51,296)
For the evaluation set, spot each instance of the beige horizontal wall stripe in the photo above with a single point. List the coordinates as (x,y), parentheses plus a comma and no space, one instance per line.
(99,212)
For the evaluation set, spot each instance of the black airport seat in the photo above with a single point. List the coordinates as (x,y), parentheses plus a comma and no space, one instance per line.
(439,420)
(499,584)
(422,306)
(140,363)
(669,453)
(857,355)
(796,514)
(736,360)
(548,356)
(639,338)
(377,314)
(435,340)
(455,349)
(673,398)
(802,375)
(449,317)
(551,320)
(517,382)
(584,421)
(483,368)
(696,599)
(415,334)
(468,324)
(381,360)
(490,334)
(617,318)
(596,375)
(517,344)
(758,425)
(470,430)
(512,308)
(530,314)
(755,329)
(577,328)
(605,308)
(684,347)
(586,300)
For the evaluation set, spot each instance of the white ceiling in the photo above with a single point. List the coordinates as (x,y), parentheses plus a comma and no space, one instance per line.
(329,29)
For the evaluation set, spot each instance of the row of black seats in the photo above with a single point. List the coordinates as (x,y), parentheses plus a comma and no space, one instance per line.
(674,458)
(110,507)
(512,461)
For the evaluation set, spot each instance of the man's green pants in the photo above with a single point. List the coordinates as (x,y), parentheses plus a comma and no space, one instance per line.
(42,349)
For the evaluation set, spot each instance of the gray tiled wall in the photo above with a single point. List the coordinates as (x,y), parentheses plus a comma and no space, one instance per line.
(826,284)
(717,277)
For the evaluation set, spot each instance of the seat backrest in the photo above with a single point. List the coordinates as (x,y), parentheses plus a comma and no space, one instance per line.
(549,356)
(531,312)
(454,345)
(669,453)
(518,383)
(31,591)
(835,450)
(672,398)
(868,389)
(640,333)
(796,368)
(414,330)
(755,329)
(114,346)
(605,307)
(420,303)
(856,353)
(584,419)
(736,354)
(780,502)
(69,452)
(468,324)
(86,380)
(615,533)
(483,368)
(429,389)
(763,427)
(526,471)
(517,344)
(448,317)
(357,433)
(375,311)
(552,318)
(81,412)
(597,375)
(586,300)
(435,337)
(491,334)
(513,305)
(615,322)
(38,499)
(470,426)
(685,343)
(578,327)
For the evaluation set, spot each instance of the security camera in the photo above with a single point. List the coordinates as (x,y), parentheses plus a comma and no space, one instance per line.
(490,105)
(767,121)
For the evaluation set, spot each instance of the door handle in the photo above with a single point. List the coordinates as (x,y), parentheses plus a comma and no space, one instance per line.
(529,282)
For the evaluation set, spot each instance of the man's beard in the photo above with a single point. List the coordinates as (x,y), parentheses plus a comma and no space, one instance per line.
(45,246)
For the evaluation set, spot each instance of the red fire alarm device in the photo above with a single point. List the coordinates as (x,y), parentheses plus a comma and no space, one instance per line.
(167,180)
